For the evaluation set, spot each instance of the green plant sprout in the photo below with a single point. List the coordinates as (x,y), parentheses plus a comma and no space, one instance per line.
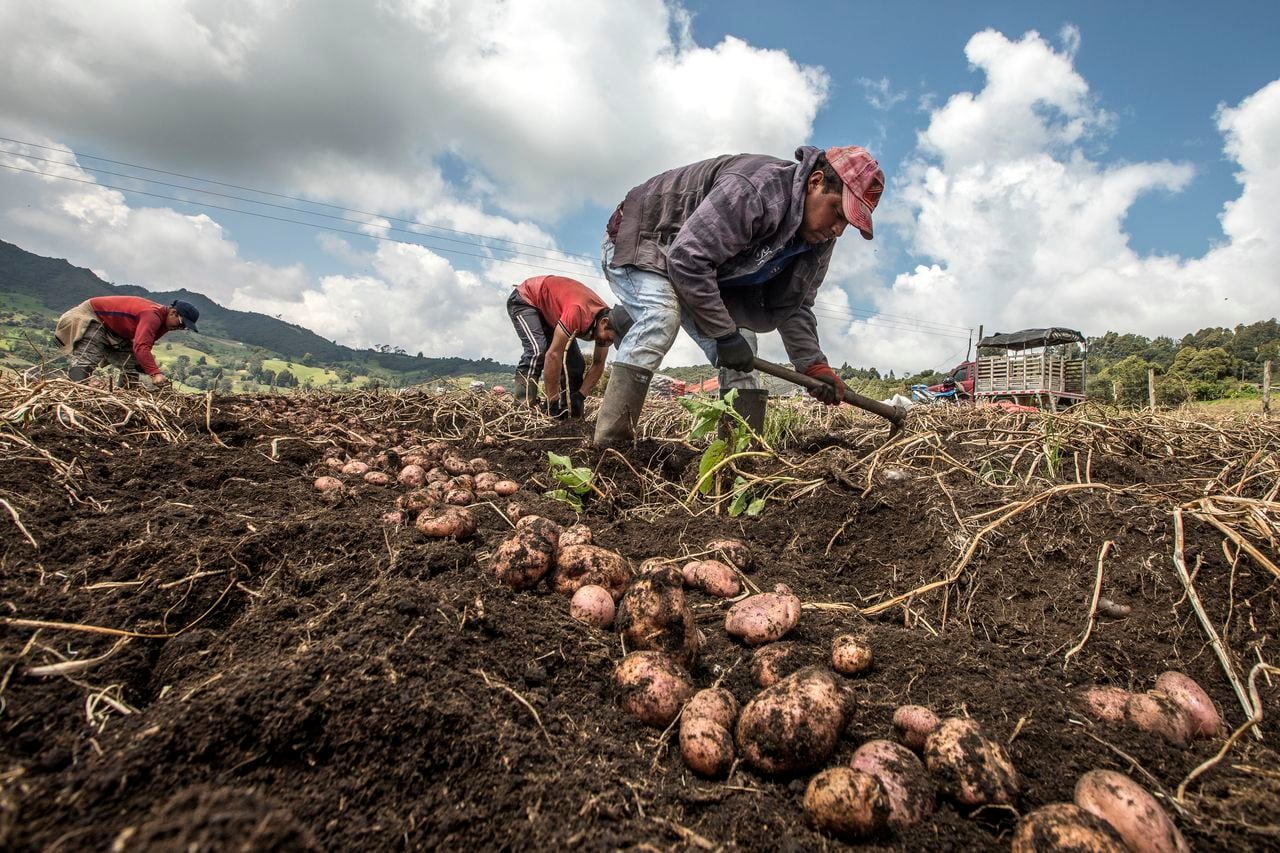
(576,483)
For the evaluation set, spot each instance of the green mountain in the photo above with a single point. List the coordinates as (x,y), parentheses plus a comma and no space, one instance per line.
(55,285)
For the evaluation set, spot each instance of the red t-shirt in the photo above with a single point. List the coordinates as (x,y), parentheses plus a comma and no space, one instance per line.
(563,302)
(135,319)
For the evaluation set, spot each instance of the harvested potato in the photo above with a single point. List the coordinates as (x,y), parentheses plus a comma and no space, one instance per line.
(653,614)
(794,725)
(545,527)
(1190,696)
(334,462)
(775,661)
(355,467)
(652,686)
(459,497)
(971,769)
(377,478)
(579,534)
(913,724)
(485,481)
(435,491)
(850,655)
(524,558)
(1155,712)
(1105,704)
(438,475)
(478,465)
(592,604)
(705,745)
(453,522)
(764,618)
(412,476)
(515,511)
(395,518)
(653,564)
(715,704)
(583,564)
(733,551)
(415,501)
(463,481)
(506,488)
(903,777)
(414,459)
(455,465)
(1064,827)
(712,577)
(1130,810)
(846,802)
(328,484)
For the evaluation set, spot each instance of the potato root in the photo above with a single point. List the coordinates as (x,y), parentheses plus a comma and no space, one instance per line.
(578,565)
(1062,827)
(1130,810)
(971,769)
(764,618)
(846,802)
(652,687)
(592,604)
(1206,722)
(913,724)
(712,577)
(905,782)
(653,614)
(794,725)
(850,655)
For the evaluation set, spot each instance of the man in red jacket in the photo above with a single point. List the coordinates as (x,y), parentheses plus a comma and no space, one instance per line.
(120,330)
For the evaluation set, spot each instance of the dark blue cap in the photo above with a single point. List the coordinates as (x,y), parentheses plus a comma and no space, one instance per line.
(189,314)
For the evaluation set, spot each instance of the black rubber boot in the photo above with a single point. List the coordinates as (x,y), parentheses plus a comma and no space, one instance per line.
(623,400)
(77,373)
(525,390)
(751,404)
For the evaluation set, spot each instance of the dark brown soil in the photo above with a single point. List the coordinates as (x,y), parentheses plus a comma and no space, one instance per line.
(318,680)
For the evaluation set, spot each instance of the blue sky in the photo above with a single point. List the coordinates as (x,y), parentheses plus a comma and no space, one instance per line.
(1102,165)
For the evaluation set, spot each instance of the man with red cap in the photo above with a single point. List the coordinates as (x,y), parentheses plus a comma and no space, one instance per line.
(120,330)
(726,248)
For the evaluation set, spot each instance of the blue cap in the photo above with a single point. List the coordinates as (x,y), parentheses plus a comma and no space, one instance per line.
(189,314)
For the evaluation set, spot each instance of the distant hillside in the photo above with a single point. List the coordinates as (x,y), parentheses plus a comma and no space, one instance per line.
(57,285)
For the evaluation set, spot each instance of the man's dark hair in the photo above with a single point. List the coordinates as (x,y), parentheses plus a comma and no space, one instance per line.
(831,181)
(595,322)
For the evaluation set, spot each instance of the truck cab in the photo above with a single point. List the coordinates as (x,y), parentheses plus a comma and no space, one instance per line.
(961,378)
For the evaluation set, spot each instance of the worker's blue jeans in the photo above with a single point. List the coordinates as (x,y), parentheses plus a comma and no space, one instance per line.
(651,300)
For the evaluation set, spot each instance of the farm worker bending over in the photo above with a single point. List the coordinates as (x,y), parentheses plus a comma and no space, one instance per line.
(726,248)
(550,313)
(120,330)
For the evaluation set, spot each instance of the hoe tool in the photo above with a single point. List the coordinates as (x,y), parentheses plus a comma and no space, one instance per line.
(895,416)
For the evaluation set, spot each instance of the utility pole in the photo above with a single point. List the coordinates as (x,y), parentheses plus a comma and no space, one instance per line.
(1266,388)
(1151,387)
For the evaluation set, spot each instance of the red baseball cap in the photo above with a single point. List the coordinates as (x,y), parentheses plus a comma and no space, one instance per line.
(863,182)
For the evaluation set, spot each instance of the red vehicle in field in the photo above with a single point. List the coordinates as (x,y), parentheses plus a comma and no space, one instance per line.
(1033,367)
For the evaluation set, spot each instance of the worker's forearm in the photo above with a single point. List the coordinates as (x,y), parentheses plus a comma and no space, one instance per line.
(551,373)
(593,376)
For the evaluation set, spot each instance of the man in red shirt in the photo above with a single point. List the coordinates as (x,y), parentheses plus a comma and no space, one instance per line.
(120,330)
(550,314)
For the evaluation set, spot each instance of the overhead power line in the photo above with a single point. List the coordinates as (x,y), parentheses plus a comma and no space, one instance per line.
(830,310)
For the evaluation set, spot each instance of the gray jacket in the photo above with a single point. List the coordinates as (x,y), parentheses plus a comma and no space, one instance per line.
(723,218)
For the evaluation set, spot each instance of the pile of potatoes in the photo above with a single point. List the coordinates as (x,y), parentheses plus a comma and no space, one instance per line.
(1111,812)
(1177,709)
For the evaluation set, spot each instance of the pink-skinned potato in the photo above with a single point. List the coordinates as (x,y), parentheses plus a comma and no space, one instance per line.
(764,618)
(328,484)
(377,478)
(592,604)
(846,802)
(795,724)
(578,565)
(652,686)
(578,534)
(546,529)
(850,655)
(1131,811)
(1206,722)
(1105,703)
(355,467)
(714,703)
(1155,712)
(969,768)
(909,788)
(913,724)
(454,522)
(485,481)
(1065,827)
(506,488)
(412,476)
(706,746)
(712,577)
(653,614)
(524,558)
(733,551)
(773,662)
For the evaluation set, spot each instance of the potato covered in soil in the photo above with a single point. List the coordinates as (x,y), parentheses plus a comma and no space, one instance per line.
(1130,810)
(706,746)
(1190,696)
(712,577)
(478,465)
(459,497)
(328,484)
(524,558)
(547,529)
(454,522)
(579,565)
(733,551)
(1155,712)
(579,534)
(764,618)
(1064,827)
(903,777)
(652,686)
(969,768)
(355,467)
(715,704)
(913,724)
(592,604)
(653,615)
(412,476)
(775,661)
(455,465)
(846,802)
(1105,704)
(485,481)
(850,655)
(794,725)
(506,488)
(377,478)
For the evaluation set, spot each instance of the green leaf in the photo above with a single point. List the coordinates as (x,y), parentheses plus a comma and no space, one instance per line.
(565,496)
(711,457)
(577,479)
(741,497)
(755,507)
